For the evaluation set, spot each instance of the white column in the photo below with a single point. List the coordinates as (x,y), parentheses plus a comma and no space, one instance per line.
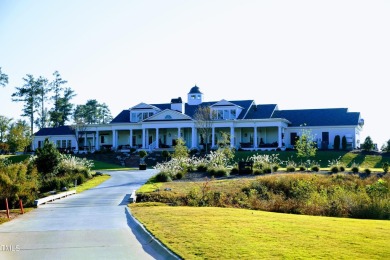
(77,139)
(178,132)
(131,138)
(232,144)
(143,138)
(194,143)
(255,137)
(212,137)
(114,139)
(85,138)
(280,142)
(97,141)
(157,138)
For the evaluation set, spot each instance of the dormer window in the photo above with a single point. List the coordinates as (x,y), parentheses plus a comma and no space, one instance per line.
(139,116)
(225,114)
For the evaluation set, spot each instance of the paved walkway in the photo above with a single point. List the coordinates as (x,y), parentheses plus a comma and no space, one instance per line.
(94,224)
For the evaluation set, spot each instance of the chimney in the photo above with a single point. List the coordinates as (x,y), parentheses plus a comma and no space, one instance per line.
(177,104)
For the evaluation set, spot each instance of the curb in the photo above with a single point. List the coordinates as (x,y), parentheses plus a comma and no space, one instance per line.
(150,244)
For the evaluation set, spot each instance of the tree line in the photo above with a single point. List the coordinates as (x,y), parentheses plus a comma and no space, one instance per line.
(46,103)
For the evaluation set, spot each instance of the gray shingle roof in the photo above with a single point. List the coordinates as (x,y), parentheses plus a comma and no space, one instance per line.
(261,111)
(61,130)
(319,117)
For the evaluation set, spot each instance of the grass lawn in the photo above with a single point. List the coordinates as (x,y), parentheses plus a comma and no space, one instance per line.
(323,157)
(95,181)
(99,165)
(226,233)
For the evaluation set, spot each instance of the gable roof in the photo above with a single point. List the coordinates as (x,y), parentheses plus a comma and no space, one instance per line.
(319,117)
(173,115)
(61,130)
(122,117)
(261,111)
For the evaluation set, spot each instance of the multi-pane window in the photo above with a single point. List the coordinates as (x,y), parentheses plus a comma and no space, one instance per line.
(139,116)
(224,114)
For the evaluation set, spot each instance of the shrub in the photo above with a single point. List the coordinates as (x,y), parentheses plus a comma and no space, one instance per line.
(367,171)
(344,143)
(315,168)
(142,153)
(165,154)
(290,168)
(336,144)
(334,169)
(368,144)
(179,175)
(342,168)
(202,168)
(275,167)
(234,170)
(218,171)
(302,168)
(385,167)
(355,168)
(163,177)
(258,172)
(47,159)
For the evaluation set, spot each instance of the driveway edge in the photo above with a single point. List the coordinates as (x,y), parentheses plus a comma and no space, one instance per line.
(149,242)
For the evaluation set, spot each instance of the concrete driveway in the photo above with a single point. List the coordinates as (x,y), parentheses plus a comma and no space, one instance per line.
(94,224)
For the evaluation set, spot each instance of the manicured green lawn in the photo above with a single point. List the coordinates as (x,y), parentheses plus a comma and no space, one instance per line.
(323,157)
(95,181)
(99,165)
(226,233)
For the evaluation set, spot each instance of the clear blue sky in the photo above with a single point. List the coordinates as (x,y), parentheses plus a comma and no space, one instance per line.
(297,54)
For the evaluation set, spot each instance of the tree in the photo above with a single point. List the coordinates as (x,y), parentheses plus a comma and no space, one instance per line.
(4,127)
(344,143)
(386,147)
(336,143)
(47,160)
(28,94)
(181,150)
(104,114)
(305,145)
(3,79)
(42,91)
(204,122)
(62,108)
(92,113)
(368,144)
(19,136)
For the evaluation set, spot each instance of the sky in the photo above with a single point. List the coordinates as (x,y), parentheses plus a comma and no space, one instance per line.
(296,54)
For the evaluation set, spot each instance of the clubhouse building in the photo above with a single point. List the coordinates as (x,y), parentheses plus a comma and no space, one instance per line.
(247,125)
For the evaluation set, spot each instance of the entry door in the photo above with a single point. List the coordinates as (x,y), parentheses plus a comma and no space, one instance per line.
(325,140)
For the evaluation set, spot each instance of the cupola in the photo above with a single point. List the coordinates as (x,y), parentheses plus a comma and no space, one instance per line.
(195,97)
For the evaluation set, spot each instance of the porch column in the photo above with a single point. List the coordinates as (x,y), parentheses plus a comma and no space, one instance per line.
(280,141)
(131,138)
(178,132)
(97,141)
(255,137)
(85,138)
(212,137)
(232,144)
(143,138)
(157,138)
(193,138)
(114,139)
(77,139)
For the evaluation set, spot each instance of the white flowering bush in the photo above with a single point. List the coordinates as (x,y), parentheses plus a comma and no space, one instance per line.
(71,164)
